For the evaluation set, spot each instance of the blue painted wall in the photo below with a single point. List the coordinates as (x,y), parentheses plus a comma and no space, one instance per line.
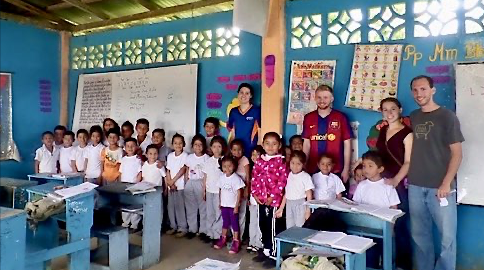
(30,54)
(209,68)
(470,218)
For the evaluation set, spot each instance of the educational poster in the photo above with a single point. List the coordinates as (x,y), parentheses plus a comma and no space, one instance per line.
(306,76)
(374,75)
(8,150)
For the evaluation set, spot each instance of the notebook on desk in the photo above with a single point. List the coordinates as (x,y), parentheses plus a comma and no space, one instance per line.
(341,241)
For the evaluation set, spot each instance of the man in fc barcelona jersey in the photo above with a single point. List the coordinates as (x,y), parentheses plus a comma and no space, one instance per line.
(326,130)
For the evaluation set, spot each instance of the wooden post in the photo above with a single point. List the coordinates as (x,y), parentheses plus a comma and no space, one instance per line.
(64,78)
(274,43)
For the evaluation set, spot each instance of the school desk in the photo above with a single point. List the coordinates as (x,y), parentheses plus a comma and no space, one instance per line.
(114,197)
(13,192)
(12,238)
(296,236)
(67,180)
(43,243)
(370,226)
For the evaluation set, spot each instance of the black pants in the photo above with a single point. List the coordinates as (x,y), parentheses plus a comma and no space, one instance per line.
(269,227)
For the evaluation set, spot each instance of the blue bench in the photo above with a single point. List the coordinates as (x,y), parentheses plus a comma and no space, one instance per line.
(12,240)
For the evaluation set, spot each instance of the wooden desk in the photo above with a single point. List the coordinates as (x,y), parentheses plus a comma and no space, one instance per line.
(12,240)
(70,180)
(43,244)
(296,236)
(115,196)
(13,193)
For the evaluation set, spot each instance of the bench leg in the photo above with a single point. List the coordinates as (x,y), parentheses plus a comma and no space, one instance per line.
(118,250)
(279,255)
(78,260)
(388,247)
(355,261)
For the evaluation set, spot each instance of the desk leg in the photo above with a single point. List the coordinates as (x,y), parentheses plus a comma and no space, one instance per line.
(151,229)
(355,261)
(12,243)
(79,219)
(279,255)
(387,246)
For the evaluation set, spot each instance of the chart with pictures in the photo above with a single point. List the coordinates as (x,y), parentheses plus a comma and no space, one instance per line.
(374,75)
(306,76)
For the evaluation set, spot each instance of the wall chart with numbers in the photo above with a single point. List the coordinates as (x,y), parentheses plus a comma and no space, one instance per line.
(374,75)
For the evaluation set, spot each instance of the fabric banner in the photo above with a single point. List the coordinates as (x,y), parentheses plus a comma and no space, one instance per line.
(374,75)
(8,150)
(306,76)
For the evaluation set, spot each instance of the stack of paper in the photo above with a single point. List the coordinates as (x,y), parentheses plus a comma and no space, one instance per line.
(66,175)
(337,205)
(209,264)
(342,241)
(141,187)
(384,213)
(75,190)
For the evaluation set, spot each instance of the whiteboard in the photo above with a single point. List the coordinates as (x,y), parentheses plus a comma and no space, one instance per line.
(470,111)
(166,96)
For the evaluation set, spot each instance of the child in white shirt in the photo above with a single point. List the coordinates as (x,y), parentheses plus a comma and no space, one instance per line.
(243,170)
(328,186)
(80,151)
(93,156)
(212,172)
(150,171)
(158,139)
(298,189)
(212,129)
(142,128)
(47,156)
(130,171)
(175,182)
(67,153)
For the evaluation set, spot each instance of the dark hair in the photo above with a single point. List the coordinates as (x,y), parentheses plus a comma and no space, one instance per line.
(112,120)
(231,159)
(294,137)
(201,138)
(429,80)
(159,130)
(359,167)
(284,149)
(128,124)
(259,149)
(82,131)
(113,131)
(70,133)
(60,127)
(212,120)
(98,129)
(47,133)
(142,121)
(222,141)
(324,155)
(373,156)
(238,142)
(324,87)
(178,135)
(251,89)
(131,140)
(300,155)
(272,134)
(152,146)
(390,99)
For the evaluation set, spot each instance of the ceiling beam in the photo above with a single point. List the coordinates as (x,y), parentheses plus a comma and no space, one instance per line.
(42,13)
(27,20)
(148,4)
(91,10)
(63,5)
(150,14)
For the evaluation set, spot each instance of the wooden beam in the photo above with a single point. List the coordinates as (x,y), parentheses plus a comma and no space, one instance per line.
(27,20)
(150,14)
(42,13)
(63,5)
(148,4)
(91,10)
(64,78)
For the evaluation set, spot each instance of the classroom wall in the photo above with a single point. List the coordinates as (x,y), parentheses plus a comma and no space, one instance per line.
(218,76)
(470,218)
(32,55)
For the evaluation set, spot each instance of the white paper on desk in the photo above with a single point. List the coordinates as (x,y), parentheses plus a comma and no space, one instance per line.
(326,238)
(76,190)
(353,243)
(66,175)
(209,264)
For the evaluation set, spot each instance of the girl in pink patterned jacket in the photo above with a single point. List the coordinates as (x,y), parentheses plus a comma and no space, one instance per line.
(269,178)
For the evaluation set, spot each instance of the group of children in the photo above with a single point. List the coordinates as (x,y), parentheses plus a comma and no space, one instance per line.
(210,190)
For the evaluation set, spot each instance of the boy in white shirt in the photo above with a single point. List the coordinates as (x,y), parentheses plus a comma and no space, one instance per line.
(158,139)
(92,163)
(80,151)
(47,156)
(130,170)
(142,128)
(66,153)
(328,186)
(59,131)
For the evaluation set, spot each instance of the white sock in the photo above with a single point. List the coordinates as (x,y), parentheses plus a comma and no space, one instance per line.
(266,252)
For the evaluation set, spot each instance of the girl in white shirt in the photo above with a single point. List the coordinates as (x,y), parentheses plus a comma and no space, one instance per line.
(194,188)
(212,171)
(327,186)
(93,156)
(298,189)
(243,170)
(175,165)
(130,171)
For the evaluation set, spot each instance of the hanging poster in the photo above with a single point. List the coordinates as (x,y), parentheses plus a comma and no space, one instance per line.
(8,150)
(306,76)
(374,75)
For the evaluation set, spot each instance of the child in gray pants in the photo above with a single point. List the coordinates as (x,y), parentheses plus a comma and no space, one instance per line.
(298,189)
(255,236)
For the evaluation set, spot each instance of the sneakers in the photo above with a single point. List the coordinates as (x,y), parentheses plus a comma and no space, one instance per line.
(261,257)
(235,247)
(190,235)
(171,232)
(269,263)
(180,234)
(222,242)
(251,249)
